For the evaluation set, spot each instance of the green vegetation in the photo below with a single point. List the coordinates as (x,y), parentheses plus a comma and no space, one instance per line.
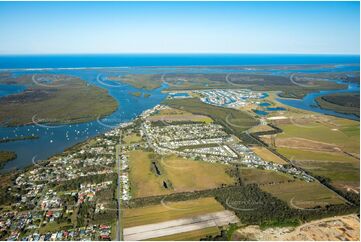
(190,175)
(306,155)
(5,140)
(66,99)
(6,156)
(339,174)
(344,133)
(256,82)
(169,211)
(149,172)
(262,177)
(234,121)
(143,81)
(195,235)
(303,194)
(348,103)
(252,205)
(132,138)
(136,94)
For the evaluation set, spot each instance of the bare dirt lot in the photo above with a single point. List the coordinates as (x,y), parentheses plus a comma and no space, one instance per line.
(341,228)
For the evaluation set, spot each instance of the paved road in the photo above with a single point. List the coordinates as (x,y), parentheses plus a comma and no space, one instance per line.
(119,191)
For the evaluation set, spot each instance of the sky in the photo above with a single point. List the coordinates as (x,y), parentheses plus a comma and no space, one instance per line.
(179,27)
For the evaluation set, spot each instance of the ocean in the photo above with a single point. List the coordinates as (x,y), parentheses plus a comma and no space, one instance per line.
(80,61)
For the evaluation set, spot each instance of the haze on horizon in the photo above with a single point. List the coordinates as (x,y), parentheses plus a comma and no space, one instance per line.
(179,27)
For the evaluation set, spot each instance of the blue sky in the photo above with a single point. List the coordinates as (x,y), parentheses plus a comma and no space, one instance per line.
(179,27)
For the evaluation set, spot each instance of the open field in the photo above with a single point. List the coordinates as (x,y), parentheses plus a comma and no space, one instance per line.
(132,138)
(343,133)
(181,225)
(194,235)
(306,155)
(70,100)
(303,194)
(267,155)
(340,228)
(261,177)
(144,182)
(190,175)
(169,211)
(343,175)
(179,174)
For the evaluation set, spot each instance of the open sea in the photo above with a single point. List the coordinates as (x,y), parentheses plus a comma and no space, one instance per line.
(54,139)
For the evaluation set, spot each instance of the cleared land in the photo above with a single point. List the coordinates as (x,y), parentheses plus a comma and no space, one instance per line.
(66,99)
(300,194)
(267,155)
(144,182)
(180,225)
(173,114)
(341,228)
(194,235)
(262,177)
(306,155)
(132,138)
(179,174)
(169,211)
(189,175)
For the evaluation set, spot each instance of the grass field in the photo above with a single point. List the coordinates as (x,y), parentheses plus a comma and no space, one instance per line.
(72,101)
(343,133)
(190,175)
(296,154)
(144,182)
(267,155)
(303,194)
(259,176)
(169,211)
(132,138)
(181,174)
(342,175)
(195,235)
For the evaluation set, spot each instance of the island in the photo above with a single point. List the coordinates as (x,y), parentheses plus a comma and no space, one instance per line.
(6,156)
(348,103)
(54,99)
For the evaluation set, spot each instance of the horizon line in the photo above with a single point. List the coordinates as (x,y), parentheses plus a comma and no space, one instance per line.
(177,53)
